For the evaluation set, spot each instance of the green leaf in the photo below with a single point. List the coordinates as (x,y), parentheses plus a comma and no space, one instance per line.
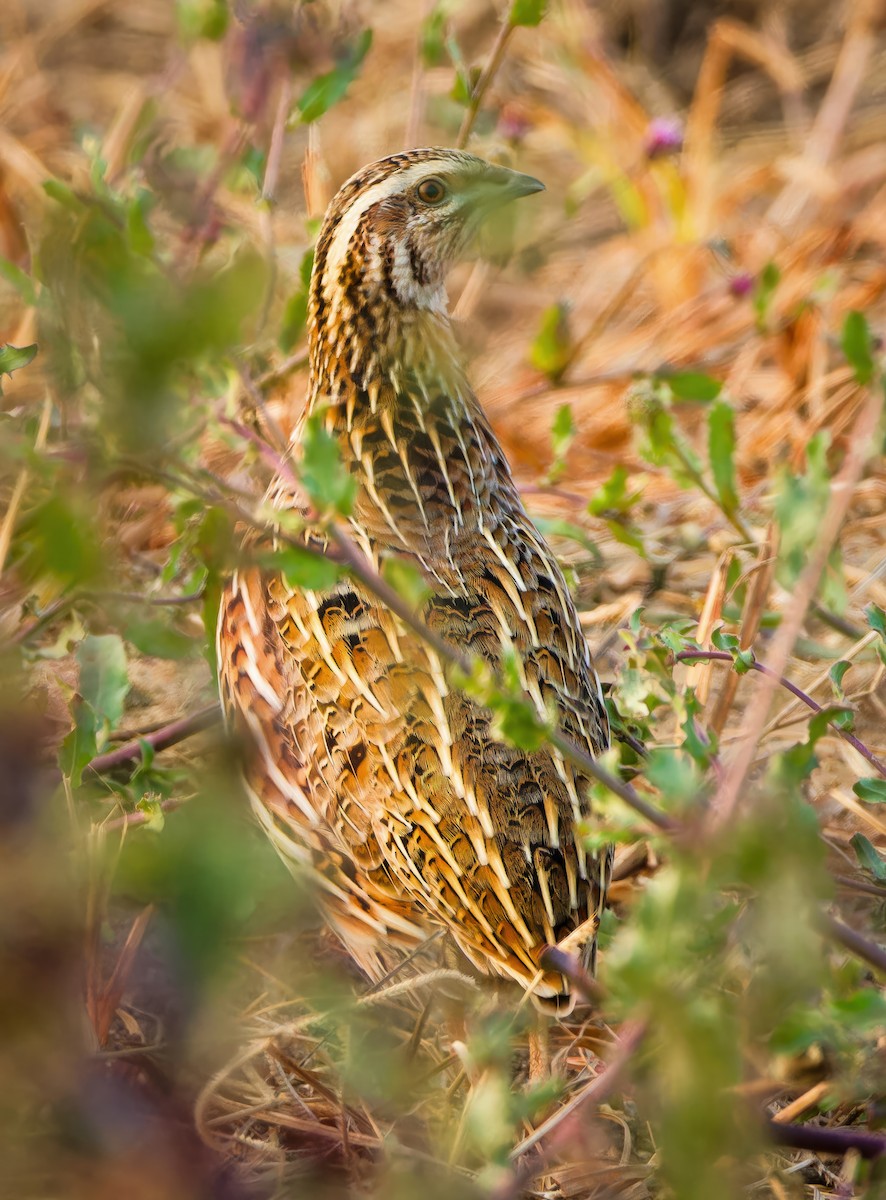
(551,350)
(13,358)
(104,678)
(159,639)
(691,385)
(769,279)
(800,502)
(202,19)
(518,723)
(742,659)
(836,673)
(302,569)
(858,346)
(67,541)
(63,195)
(872,791)
(21,281)
(876,618)
(328,89)
(155,818)
(864,1009)
(562,435)
(139,236)
(869,857)
(295,320)
(721,450)
(550,527)
(562,430)
(295,315)
(432,36)
(674,774)
(326,479)
(527,12)
(613,496)
(407,581)
(80,745)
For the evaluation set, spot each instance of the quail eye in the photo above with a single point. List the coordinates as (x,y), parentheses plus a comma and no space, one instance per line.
(432,191)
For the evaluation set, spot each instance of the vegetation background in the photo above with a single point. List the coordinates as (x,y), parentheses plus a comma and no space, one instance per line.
(682,358)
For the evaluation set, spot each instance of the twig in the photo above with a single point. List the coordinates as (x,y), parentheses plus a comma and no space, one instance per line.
(824,1140)
(488,74)
(168,735)
(725,656)
(853,941)
(842,489)
(860,885)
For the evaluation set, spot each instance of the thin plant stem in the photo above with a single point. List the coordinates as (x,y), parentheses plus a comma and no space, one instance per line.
(725,656)
(488,74)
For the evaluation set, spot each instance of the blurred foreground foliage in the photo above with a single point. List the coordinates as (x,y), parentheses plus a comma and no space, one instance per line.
(148,934)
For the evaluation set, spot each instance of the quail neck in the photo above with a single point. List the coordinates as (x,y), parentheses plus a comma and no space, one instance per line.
(378,304)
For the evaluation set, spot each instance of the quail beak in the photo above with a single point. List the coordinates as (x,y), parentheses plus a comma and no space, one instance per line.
(501,186)
(495,239)
(517,185)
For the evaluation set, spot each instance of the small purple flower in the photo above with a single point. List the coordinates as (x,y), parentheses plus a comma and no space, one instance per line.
(664,135)
(513,124)
(741,284)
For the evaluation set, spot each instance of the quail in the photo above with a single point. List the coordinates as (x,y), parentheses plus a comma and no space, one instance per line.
(363,761)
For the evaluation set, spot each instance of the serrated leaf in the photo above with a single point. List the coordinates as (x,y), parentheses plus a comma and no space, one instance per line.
(527,12)
(692,385)
(721,451)
(872,791)
(13,358)
(326,479)
(869,857)
(104,678)
(302,569)
(519,724)
(857,345)
(674,774)
(407,581)
(613,496)
(155,818)
(328,89)
(159,639)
